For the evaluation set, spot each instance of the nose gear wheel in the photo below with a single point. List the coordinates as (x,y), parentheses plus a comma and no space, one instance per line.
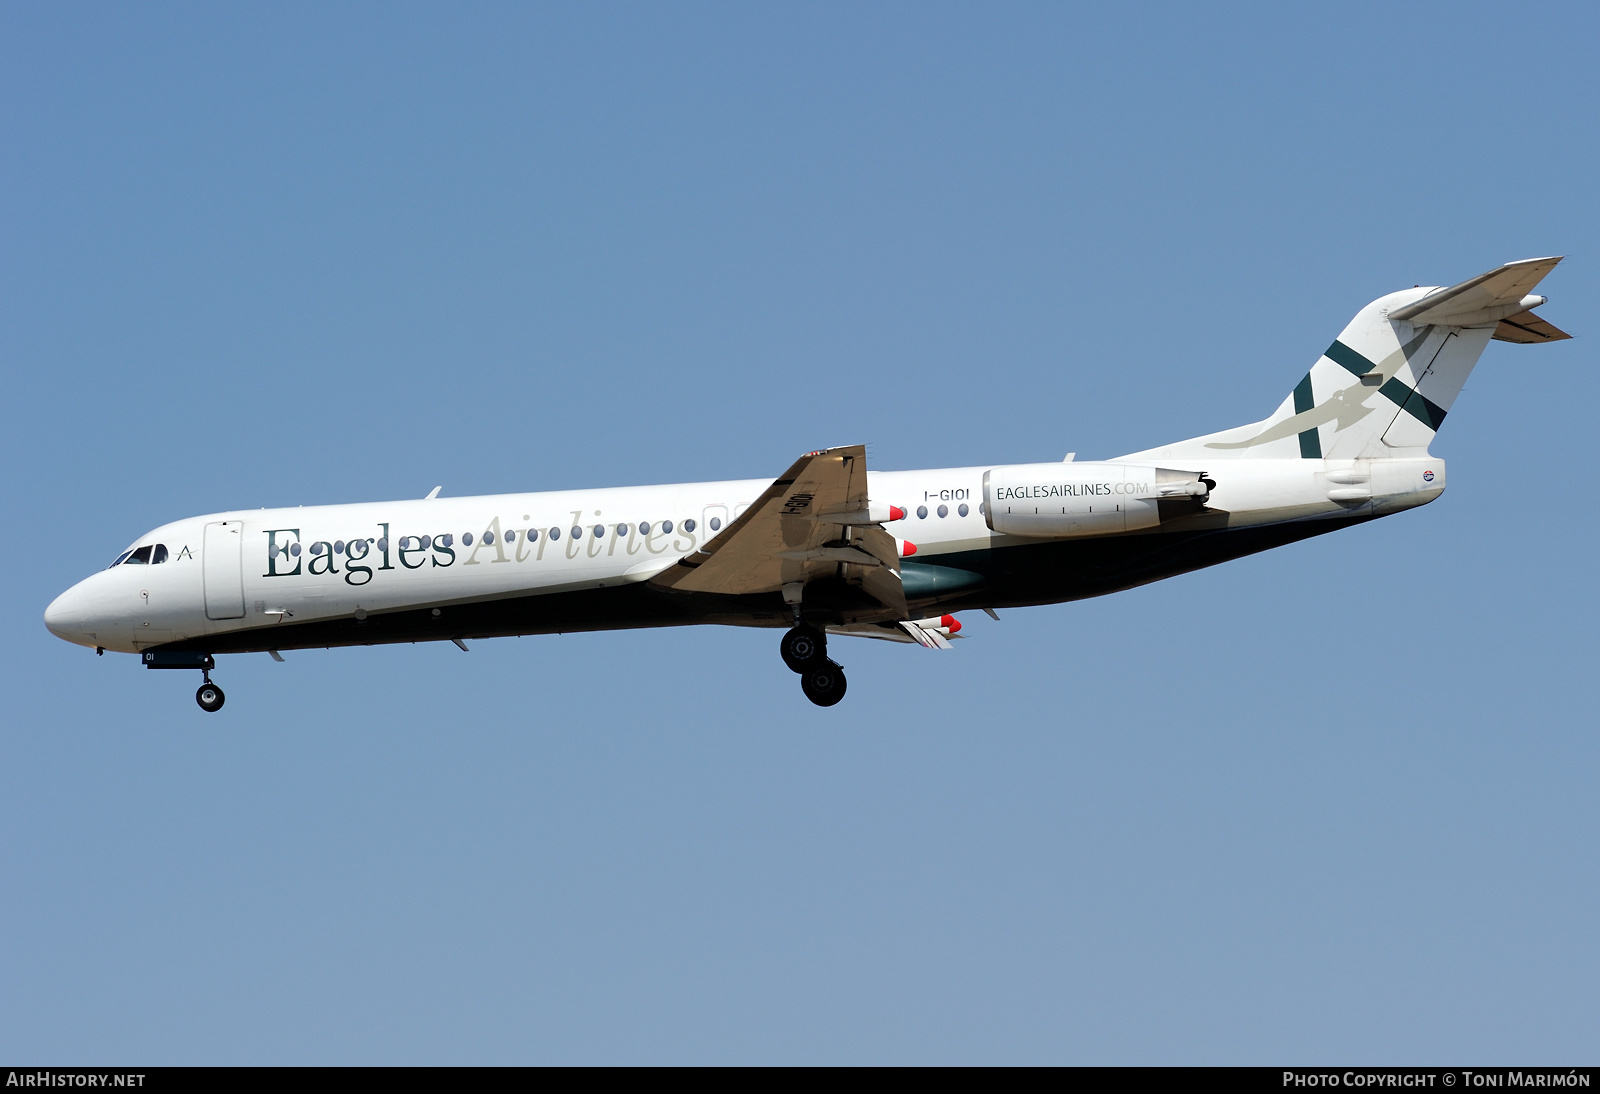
(210,697)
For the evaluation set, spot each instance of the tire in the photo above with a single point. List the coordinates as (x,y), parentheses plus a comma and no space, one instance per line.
(210,698)
(823,686)
(803,648)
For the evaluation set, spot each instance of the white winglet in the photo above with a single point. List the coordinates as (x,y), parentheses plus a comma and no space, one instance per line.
(433,493)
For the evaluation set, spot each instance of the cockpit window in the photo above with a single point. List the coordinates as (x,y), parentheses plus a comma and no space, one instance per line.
(120,559)
(160,555)
(140,557)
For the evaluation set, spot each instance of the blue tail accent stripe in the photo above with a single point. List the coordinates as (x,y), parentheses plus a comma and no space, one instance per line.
(1310,440)
(1341,354)
(1418,405)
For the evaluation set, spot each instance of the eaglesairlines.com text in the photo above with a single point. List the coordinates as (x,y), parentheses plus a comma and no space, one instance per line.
(73,1078)
(1446,1079)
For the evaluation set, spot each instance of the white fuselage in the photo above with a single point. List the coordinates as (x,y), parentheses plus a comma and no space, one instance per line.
(255,569)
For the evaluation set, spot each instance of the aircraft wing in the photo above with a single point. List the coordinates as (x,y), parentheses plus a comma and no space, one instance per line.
(813,522)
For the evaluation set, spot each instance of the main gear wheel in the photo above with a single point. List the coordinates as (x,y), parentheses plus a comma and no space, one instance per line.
(824,686)
(803,648)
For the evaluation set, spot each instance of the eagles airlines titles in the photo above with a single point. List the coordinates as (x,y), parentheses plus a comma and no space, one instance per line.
(827,549)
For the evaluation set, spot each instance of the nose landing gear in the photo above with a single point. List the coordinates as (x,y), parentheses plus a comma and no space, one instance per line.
(805,650)
(209,696)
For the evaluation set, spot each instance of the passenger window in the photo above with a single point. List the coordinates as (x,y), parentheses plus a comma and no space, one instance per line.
(666,527)
(599,531)
(141,557)
(944,510)
(644,530)
(688,525)
(160,555)
(716,523)
(922,512)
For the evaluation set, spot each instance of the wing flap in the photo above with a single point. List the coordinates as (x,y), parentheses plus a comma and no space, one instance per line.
(888,632)
(926,636)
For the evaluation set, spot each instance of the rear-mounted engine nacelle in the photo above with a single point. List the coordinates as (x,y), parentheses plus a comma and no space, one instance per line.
(1057,500)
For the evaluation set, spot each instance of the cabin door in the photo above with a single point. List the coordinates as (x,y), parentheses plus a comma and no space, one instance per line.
(222,567)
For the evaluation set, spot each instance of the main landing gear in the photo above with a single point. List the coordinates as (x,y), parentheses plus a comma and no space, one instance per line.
(805,650)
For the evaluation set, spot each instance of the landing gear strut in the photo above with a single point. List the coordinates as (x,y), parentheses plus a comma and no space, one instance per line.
(805,650)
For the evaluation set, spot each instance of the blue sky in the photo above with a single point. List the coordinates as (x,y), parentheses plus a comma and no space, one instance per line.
(1335,802)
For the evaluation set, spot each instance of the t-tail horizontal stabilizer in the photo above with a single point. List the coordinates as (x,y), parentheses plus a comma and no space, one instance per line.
(1525,327)
(1500,296)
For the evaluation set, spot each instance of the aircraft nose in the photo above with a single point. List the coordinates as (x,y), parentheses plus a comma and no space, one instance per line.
(66,615)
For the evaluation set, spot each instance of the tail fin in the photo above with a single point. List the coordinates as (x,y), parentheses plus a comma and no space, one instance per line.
(1385,385)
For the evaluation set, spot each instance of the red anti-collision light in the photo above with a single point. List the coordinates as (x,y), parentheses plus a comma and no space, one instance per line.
(896,513)
(950,622)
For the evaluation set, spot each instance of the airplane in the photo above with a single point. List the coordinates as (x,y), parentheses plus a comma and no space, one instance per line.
(828,549)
